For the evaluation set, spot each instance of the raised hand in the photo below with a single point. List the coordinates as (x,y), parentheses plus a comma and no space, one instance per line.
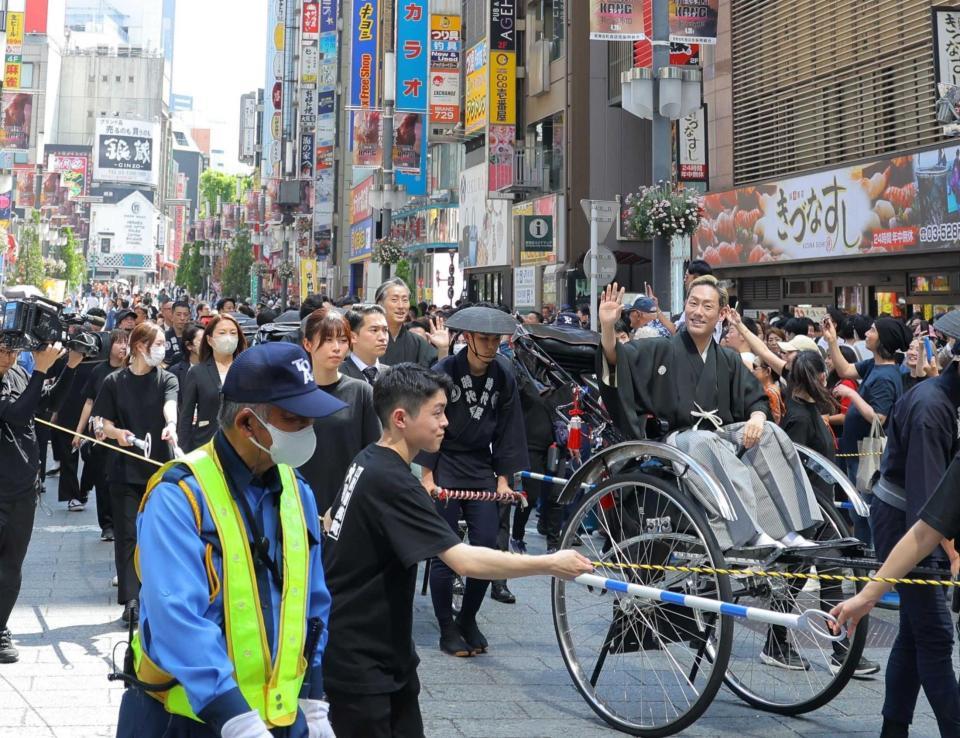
(611,305)
(439,336)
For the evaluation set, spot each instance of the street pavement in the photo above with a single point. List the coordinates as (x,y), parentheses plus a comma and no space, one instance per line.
(66,625)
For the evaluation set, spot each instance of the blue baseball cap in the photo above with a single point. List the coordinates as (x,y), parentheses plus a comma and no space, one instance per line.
(567,319)
(278,374)
(644,305)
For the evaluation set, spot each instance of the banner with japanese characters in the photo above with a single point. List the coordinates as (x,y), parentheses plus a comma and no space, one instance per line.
(946,28)
(892,205)
(413,69)
(125,151)
(616,21)
(694,21)
(16,112)
(445,49)
(13,53)
(364,48)
(692,147)
(73,169)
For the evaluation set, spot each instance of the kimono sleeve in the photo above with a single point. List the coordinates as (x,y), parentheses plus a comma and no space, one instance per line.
(621,398)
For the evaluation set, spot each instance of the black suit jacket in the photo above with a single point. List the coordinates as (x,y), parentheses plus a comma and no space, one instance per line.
(201,394)
(350,369)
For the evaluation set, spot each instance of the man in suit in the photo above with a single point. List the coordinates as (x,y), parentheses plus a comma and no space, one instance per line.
(370,336)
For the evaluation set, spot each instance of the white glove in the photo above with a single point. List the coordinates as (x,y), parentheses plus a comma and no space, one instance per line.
(315,712)
(247,725)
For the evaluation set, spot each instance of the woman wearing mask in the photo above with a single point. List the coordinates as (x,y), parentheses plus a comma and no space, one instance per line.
(137,400)
(192,340)
(219,345)
(341,436)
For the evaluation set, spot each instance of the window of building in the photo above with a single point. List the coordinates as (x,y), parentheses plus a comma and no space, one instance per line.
(26,75)
(554,26)
(89,113)
(130,79)
(104,78)
(548,139)
(180,138)
(117,79)
(92,78)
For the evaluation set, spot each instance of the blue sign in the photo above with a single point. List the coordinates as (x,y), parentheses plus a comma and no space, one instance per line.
(179,103)
(328,16)
(413,55)
(364,53)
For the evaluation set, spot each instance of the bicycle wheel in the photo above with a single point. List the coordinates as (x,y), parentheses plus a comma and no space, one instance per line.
(756,671)
(642,665)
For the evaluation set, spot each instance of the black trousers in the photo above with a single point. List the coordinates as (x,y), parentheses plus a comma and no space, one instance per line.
(125,502)
(391,715)
(16,528)
(94,476)
(533,488)
(921,655)
(483,521)
(69,483)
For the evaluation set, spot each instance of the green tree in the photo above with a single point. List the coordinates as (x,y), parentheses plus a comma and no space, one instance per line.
(190,269)
(236,273)
(29,268)
(215,184)
(405,271)
(70,256)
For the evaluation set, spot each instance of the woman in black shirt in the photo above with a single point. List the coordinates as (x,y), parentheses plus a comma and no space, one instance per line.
(808,401)
(139,399)
(343,435)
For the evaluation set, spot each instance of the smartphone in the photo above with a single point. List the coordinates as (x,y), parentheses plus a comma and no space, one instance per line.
(928,344)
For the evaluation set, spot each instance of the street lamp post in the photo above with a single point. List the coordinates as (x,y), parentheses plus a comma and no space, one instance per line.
(661,94)
(388,176)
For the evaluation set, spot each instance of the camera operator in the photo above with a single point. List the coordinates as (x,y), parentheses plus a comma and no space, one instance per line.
(21,398)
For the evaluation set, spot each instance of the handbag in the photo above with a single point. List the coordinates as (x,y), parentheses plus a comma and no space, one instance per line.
(870,449)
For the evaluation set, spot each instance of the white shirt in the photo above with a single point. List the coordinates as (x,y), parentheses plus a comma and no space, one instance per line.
(361,364)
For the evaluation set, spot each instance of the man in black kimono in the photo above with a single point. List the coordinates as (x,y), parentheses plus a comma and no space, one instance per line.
(688,381)
(402,345)
(484,446)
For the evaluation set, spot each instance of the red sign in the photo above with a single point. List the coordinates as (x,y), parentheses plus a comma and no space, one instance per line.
(361,209)
(310,26)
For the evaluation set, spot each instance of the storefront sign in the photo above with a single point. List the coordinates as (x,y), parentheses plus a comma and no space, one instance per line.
(524,287)
(488,220)
(616,21)
(547,208)
(445,69)
(502,106)
(475,104)
(73,170)
(308,277)
(408,142)
(413,57)
(500,155)
(309,64)
(692,147)
(694,21)
(125,151)
(360,201)
(328,16)
(946,28)
(367,142)
(361,240)
(307,155)
(364,53)
(13,53)
(503,25)
(537,231)
(309,20)
(892,205)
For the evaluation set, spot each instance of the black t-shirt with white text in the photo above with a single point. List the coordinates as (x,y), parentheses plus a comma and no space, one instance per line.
(384,524)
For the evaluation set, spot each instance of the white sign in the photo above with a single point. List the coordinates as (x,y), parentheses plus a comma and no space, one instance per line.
(131,227)
(604,211)
(606,265)
(692,145)
(947,28)
(309,63)
(524,287)
(248,126)
(127,151)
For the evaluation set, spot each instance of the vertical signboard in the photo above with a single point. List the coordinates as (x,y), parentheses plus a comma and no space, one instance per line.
(16,112)
(946,28)
(273,92)
(324,183)
(365,34)
(410,122)
(502,94)
(445,47)
(693,148)
(309,20)
(14,51)
(475,104)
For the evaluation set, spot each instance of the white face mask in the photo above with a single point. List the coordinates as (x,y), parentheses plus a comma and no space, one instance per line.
(155,356)
(293,449)
(225,344)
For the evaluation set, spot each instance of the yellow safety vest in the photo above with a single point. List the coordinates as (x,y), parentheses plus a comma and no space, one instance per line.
(271,689)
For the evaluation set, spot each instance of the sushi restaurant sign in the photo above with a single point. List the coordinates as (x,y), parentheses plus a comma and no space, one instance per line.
(891,205)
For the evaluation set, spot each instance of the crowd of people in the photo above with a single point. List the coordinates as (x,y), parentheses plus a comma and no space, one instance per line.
(379,406)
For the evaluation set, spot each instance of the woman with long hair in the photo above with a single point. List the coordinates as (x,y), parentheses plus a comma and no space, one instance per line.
(343,435)
(770,381)
(221,342)
(808,401)
(836,418)
(134,402)
(192,338)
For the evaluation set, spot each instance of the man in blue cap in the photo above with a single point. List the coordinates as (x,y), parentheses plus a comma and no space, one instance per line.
(234,605)
(645,311)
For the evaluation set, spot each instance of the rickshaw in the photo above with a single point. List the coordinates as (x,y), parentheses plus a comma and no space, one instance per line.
(642,658)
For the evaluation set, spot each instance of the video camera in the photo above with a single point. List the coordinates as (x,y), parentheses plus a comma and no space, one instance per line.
(31,323)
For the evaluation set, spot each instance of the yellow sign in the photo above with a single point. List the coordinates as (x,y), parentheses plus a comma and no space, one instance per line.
(14,29)
(502,107)
(11,74)
(475,100)
(308,277)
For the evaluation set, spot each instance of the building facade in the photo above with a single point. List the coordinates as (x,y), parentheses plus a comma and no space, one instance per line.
(832,181)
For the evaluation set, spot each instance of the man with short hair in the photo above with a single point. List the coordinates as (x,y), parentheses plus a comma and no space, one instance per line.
(402,345)
(174,336)
(126,320)
(166,311)
(645,311)
(383,525)
(226,305)
(234,610)
(368,323)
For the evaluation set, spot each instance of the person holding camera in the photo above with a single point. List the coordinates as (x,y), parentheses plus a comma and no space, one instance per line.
(21,397)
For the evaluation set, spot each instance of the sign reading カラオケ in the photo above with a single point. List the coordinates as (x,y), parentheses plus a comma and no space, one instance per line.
(125,151)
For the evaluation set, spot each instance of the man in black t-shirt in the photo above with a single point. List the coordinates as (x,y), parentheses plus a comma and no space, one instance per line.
(383,525)
(174,335)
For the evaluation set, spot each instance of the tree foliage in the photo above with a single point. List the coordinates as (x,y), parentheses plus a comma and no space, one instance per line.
(69,260)
(404,270)
(190,269)
(236,273)
(30,268)
(215,184)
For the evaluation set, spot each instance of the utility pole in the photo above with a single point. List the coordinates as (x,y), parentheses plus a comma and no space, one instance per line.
(388,177)
(662,141)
